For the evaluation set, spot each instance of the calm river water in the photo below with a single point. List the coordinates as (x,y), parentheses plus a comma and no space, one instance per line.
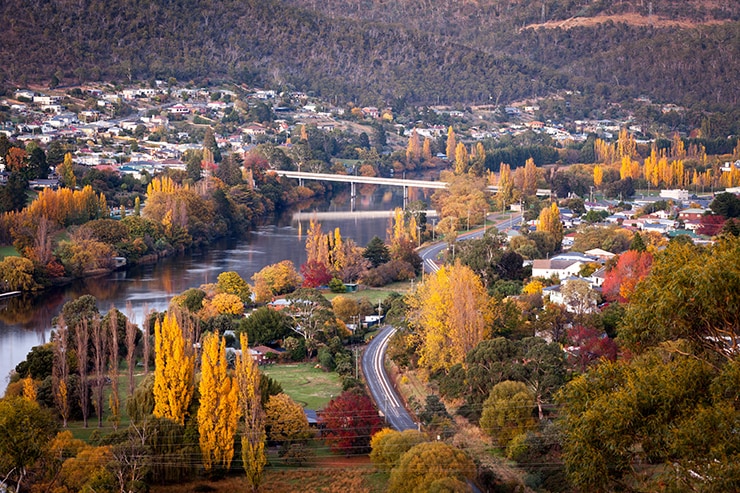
(26,321)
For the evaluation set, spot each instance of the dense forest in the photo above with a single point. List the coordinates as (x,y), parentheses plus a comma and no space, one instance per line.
(415,51)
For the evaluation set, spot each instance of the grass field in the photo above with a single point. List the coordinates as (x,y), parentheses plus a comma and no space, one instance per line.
(374,295)
(312,387)
(8,251)
(336,475)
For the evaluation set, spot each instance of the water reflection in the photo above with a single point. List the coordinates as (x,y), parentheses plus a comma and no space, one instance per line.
(25,321)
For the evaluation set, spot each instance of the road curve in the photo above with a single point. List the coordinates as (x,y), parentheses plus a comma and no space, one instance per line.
(429,254)
(381,388)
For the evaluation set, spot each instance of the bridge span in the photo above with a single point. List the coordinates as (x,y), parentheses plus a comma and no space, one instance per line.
(353,180)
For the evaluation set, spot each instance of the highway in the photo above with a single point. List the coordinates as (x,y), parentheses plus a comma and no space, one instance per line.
(380,386)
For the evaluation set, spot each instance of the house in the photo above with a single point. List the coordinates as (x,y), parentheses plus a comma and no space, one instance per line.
(600,254)
(691,214)
(370,112)
(562,266)
(263,354)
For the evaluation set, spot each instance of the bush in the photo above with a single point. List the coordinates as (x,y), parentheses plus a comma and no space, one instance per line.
(337,286)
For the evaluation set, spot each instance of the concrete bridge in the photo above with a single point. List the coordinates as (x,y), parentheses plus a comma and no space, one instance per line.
(353,180)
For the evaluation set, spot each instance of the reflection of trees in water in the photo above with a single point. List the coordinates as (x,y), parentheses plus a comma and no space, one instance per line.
(32,312)
(100,287)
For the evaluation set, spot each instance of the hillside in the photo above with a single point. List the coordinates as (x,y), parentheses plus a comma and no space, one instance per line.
(419,51)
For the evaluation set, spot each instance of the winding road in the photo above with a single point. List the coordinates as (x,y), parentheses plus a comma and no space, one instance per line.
(381,388)
(373,358)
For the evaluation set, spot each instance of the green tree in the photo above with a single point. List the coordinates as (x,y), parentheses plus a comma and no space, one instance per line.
(508,411)
(680,299)
(66,172)
(377,252)
(17,274)
(265,325)
(427,463)
(26,431)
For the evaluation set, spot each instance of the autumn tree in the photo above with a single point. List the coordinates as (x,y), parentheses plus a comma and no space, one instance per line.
(254,457)
(451,144)
(131,335)
(232,283)
(452,313)
(17,274)
(274,280)
(549,222)
(465,199)
(529,184)
(218,413)
(99,338)
(173,370)
(66,172)
(621,280)
(462,158)
(413,149)
(505,185)
(598,175)
(349,420)
(388,446)
(285,420)
(429,463)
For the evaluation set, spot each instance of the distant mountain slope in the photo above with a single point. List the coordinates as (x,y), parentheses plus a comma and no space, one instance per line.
(377,51)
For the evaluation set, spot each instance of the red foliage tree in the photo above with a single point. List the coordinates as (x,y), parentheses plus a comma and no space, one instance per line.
(589,345)
(621,280)
(711,225)
(349,421)
(315,274)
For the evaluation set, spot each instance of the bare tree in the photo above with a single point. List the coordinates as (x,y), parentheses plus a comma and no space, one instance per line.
(147,342)
(115,400)
(82,332)
(60,370)
(99,341)
(131,330)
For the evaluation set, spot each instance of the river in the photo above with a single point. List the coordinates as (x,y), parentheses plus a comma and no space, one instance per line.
(26,321)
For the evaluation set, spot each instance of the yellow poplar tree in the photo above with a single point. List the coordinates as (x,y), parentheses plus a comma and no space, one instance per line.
(413,150)
(426,149)
(530,178)
(452,313)
(218,413)
(505,192)
(461,158)
(451,144)
(173,371)
(549,222)
(66,171)
(254,458)
(598,175)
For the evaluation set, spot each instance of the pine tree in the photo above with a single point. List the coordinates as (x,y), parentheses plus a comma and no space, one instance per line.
(173,370)
(254,458)
(218,413)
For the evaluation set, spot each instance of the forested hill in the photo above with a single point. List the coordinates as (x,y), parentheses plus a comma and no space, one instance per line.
(375,51)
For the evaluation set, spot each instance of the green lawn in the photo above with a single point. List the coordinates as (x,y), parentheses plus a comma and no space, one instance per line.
(311,387)
(8,251)
(374,295)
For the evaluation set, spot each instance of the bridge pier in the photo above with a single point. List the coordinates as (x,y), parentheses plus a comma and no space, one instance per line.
(405,197)
(353,196)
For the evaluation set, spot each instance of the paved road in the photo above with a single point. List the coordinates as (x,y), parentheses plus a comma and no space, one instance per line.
(381,389)
(430,254)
